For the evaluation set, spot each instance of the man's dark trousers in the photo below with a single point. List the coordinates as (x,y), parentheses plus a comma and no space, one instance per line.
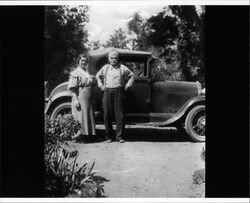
(113,106)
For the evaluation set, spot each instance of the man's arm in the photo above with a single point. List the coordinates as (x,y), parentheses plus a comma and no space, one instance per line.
(131,77)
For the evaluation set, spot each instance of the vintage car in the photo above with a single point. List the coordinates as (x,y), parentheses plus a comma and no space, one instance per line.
(149,101)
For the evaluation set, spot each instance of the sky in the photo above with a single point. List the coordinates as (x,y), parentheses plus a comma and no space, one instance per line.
(104,19)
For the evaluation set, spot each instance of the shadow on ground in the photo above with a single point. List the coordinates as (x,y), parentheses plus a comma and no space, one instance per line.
(155,135)
(144,135)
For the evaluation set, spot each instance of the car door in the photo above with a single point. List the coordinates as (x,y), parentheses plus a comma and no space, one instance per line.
(137,97)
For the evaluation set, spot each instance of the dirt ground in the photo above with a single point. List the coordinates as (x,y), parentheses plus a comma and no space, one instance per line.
(151,163)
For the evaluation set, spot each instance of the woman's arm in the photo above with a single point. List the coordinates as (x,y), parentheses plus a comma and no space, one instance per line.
(73,87)
(75,97)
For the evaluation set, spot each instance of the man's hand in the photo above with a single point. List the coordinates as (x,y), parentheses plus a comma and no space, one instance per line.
(102,88)
(127,86)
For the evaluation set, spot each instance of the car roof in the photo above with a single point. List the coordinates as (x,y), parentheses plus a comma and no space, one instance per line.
(97,56)
(120,51)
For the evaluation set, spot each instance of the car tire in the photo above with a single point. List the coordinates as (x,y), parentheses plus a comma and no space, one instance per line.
(195,124)
(61,109)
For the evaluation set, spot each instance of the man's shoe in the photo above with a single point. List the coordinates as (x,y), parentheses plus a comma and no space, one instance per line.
(108,141)
(121,141)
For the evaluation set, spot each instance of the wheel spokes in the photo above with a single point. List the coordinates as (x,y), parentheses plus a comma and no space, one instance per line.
(199,125)
(203,131)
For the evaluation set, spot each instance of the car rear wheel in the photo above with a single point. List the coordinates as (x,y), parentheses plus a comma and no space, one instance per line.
(195,124)
(61,109)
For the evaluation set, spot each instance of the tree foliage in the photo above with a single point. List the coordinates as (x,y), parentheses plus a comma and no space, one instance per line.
(94,45)
(177,34)
(190,41)
(65,37)
(163,30)
(137,32)
(135,24)
(118,39)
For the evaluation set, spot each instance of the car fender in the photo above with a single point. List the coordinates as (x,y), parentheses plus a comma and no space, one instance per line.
(55,98)
(179,117)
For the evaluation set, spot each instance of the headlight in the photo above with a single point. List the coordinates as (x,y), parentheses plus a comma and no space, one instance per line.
(199,88)
(203,91)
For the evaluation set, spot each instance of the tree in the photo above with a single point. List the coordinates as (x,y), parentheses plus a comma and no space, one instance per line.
(190,41)
(135,24)
(163,30)
(118,40)
(162,35)
(136,31)
(176,33)
(65,37)
(93,45)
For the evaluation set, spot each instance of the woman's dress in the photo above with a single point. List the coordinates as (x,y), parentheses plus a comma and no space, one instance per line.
(83,84)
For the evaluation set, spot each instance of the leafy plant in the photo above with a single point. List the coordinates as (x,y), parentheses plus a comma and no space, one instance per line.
(203,154)
(63,175)
(199,175)
(60,130)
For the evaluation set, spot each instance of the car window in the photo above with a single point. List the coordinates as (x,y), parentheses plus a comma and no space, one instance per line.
(156,72)
(138,68)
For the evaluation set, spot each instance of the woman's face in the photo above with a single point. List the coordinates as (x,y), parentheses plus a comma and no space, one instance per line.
(83,62)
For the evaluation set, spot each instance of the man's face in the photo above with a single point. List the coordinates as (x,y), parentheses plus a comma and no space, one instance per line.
(113,59)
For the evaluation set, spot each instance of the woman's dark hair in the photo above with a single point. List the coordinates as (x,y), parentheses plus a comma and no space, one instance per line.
(84,54)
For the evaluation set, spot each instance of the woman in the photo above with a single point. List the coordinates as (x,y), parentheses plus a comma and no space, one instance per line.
(81,85)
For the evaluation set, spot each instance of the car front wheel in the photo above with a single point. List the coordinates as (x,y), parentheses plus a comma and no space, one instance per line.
(61,109)
(195,124)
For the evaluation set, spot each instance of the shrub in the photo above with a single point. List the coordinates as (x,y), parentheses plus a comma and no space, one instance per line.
(203,154)
(63,175)
(60,130)
(199,175)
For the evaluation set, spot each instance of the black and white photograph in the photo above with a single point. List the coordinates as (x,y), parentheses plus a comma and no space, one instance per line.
(113,102)
(125,101)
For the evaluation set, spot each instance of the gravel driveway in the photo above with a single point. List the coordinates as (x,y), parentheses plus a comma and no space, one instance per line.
(152,163)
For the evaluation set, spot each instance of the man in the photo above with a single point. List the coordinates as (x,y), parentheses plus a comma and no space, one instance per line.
(111,80)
